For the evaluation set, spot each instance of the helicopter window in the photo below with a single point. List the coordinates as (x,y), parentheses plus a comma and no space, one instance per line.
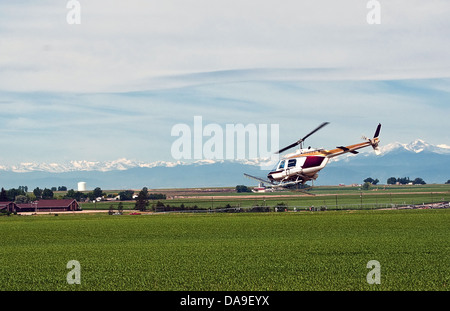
(292,162)
(281,165)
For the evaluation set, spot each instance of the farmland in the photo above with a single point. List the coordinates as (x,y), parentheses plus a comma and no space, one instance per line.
(333,198)
(243,251)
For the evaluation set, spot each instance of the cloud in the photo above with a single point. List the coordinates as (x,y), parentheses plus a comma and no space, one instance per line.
(115,85)
(119,45)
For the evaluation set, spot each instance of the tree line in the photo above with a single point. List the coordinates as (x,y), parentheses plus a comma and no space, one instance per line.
(394,181)
(397,180)
(21,195)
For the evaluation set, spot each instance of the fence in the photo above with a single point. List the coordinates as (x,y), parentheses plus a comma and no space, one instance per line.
(312,208)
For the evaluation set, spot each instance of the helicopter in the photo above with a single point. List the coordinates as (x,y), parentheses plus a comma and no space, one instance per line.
(304,164)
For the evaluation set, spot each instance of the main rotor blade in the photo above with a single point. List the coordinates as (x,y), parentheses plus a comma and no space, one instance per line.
(313,131)
(289,147)
(304,191)
(258,179)
(302,139)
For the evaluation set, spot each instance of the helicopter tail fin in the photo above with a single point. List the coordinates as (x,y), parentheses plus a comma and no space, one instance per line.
(377,132)
(375,141)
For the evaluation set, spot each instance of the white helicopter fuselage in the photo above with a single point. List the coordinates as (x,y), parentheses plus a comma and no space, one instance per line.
(298,164)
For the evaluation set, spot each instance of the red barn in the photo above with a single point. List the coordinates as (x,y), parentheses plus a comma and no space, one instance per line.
(42,206)
(8,206)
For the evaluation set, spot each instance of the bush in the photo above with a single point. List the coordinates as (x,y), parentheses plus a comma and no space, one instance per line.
(281,207)
(157,196)
(242,188)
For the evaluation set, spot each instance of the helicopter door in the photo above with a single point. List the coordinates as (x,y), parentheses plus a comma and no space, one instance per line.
(291,164)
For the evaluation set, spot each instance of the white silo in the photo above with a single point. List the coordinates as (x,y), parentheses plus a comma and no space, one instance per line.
(82,186)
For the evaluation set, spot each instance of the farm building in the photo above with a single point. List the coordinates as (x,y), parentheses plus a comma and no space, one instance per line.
(7,206)
(42,206)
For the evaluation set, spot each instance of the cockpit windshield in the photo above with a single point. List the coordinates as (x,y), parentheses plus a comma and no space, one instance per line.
(274,168)
(279,166)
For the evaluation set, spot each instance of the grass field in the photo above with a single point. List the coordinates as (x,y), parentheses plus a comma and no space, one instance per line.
(329,196)
(246,251)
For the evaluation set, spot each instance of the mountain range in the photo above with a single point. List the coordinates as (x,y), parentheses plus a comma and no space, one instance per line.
(416,159)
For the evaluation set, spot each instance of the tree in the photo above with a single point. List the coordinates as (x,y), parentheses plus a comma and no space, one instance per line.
(157,196)
(120,208)
(159,206)
(38,193)
(366,186)
(404,180)
(47,194)
(91,196)
(142,200)
(126,195)
(23,188)
(97,192)
(31,197)
(281,207)
(77,195)
(419,181)
(70,194)
(371,180)
(392,181)
(3,195)
(12,193)
(21,199)
(242,188)
(448,182)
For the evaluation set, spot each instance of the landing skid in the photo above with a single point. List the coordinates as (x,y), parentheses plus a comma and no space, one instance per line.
(303,188)
(295,185)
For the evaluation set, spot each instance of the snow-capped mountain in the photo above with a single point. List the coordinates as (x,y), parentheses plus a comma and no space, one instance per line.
(105,166)
(122,164)
(416,159)
(416,146)
(83,165)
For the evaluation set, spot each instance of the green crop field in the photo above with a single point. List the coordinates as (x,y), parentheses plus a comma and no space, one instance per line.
(244,251)
(331,197)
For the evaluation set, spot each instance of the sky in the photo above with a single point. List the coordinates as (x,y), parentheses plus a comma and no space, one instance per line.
(115,85)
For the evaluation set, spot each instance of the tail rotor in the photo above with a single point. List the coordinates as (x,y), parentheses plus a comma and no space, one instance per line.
(375,141)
